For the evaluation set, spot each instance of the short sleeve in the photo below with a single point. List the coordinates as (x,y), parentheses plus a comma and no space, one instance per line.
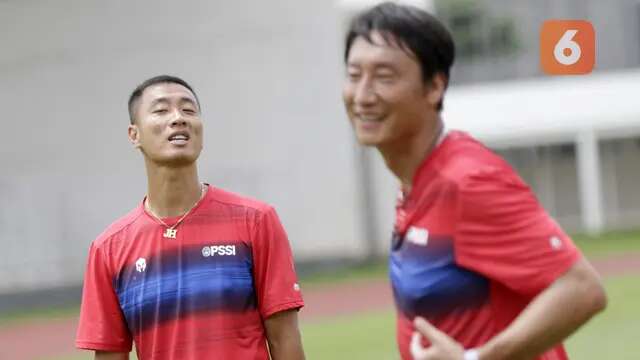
(276,282)
(503,233)
(102,325)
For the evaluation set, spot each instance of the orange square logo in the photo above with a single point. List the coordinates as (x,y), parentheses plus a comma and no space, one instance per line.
(567,47)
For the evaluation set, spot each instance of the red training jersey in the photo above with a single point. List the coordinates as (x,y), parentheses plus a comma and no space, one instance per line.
(202,295)
(472,246)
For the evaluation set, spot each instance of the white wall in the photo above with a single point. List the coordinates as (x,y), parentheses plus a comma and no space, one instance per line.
(621,174)
(268,75)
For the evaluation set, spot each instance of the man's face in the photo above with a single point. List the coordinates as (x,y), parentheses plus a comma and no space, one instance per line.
(167,128)
(384,94)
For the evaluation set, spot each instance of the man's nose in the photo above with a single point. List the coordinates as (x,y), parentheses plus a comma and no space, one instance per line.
(177,119)
(364,92)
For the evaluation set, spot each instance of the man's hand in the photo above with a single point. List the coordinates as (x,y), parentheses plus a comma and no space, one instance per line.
(442,346)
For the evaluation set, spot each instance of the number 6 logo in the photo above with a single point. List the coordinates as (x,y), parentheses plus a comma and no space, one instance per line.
(567,47)
(566,43)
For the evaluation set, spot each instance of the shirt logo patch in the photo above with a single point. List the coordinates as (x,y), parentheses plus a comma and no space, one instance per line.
(556,243)
(141,265)
(218,250)
(418,236)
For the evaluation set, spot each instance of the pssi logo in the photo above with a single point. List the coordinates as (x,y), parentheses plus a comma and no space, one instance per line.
(218,250)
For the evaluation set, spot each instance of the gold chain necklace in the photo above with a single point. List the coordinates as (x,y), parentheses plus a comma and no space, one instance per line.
(171,232)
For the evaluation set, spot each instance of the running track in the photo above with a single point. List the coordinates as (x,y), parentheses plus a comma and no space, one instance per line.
(55,337)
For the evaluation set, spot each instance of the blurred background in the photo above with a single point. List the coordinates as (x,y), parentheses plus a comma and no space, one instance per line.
(269,76)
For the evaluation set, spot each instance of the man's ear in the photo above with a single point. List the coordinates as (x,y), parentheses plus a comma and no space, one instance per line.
(436,89)
(134,135)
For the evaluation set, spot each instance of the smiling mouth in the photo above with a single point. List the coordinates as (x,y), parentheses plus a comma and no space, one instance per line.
(369,123)
(179,139)
(370,117)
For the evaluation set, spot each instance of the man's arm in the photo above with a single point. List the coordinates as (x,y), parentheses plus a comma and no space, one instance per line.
(104,355)
(552,316)
(283,335)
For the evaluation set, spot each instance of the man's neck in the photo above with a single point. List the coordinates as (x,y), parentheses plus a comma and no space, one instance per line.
(172,191)
(405,157)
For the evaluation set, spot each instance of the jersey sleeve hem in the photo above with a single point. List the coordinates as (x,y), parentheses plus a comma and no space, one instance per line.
(282,307)
(88,345)
(561,269)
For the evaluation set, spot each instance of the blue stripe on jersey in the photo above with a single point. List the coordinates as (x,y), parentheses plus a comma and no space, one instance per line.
(184,282)
(427,281)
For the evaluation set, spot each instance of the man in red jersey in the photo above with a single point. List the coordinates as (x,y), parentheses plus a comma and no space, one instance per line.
(194,272)
(477,266)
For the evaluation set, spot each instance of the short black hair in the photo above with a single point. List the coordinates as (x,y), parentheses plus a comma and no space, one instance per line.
(160,79)
(411,28)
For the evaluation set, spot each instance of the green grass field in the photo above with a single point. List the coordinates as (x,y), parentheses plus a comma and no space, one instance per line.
(614,334)
(611,243)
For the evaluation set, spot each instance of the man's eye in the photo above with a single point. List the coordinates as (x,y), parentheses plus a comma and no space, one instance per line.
(159,111)
(189,111)
(385,77)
